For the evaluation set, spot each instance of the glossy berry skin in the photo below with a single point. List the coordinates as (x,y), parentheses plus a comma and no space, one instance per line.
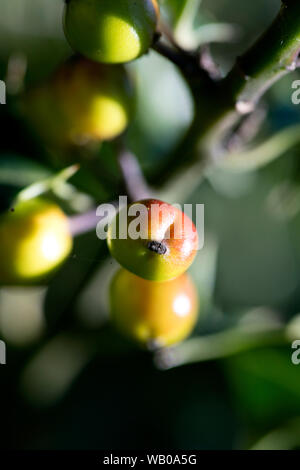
(83,102)
(110,31)
(34,240)
(167,244)
(155,314)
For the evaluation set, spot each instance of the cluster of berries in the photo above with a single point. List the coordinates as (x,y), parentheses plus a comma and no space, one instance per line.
(90,98)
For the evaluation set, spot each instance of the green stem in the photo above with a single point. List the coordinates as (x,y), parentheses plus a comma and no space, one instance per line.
(219,105)
(272,56)
(220,346)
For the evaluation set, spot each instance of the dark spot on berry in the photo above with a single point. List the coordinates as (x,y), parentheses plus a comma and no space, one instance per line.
(157,247)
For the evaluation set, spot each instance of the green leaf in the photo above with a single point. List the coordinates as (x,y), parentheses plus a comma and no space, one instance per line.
(175,9)
(185,19)
(19,171)
(266,384)
(286,437)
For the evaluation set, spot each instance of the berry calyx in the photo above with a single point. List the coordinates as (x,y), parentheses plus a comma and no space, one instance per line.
(157,247)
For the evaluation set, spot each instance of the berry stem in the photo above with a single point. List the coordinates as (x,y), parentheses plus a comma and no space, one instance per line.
(83,223)
(135,183)
(87,221)
(220,345)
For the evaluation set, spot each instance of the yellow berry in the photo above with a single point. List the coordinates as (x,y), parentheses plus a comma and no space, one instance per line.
(84,101)
(34,240)
(158,313)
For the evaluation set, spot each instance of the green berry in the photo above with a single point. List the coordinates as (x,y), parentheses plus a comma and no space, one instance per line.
(110,31)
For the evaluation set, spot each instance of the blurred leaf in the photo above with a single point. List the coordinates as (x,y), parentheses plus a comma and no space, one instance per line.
(67,286)
(34,28)
(7,196)
(213,32)
(264,153)
(286,437)
(250,334)
(160,120)
(20,171)
(21,315)
(176,8)
(266,384)
(284,200)
(185,16)
(229,183)
(203,271)
(50,373)
(191,36)
(32,17)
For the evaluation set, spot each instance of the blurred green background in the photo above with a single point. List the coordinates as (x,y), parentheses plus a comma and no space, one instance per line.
(71,382)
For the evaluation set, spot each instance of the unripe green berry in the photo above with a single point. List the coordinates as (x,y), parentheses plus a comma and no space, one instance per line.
(110,31)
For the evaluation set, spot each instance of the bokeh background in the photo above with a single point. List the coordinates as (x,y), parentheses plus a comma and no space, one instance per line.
(71,381)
